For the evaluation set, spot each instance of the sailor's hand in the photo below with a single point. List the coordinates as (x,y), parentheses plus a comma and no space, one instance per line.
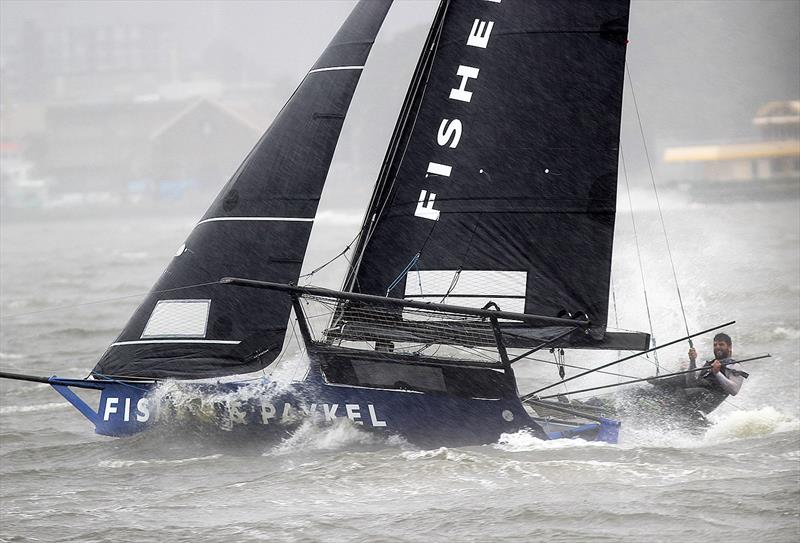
(715,366)
(692,354)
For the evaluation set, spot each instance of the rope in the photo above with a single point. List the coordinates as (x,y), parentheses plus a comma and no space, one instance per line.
(658,203)
(341,254)
(639,258)
(96,302)
(403,273)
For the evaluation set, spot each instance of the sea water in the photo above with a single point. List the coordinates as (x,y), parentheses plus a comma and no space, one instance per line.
(68,287)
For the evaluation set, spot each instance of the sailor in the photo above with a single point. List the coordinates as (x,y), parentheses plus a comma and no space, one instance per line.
(720,379)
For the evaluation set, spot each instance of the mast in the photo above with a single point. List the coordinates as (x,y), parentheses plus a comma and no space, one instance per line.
(398,141)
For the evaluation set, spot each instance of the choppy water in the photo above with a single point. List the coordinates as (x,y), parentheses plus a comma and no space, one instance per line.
(739,480)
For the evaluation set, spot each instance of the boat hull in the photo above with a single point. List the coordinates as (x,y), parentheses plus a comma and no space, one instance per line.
(266,409)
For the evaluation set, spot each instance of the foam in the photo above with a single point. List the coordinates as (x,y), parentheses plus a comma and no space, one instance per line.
(524,441)
(340,434)
(116,464)
(54,406)
(750,423)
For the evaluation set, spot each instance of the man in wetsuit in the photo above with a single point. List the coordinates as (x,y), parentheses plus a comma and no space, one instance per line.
(710,387)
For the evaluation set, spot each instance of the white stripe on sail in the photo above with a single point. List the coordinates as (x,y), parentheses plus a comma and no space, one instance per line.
(336,68)
(205,341)
(514,305)
(285,219)
(484,283)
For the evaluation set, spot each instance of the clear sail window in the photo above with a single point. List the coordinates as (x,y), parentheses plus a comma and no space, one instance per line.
(178,318)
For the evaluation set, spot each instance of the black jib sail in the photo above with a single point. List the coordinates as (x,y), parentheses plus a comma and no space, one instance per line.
(258,226)
(500,184)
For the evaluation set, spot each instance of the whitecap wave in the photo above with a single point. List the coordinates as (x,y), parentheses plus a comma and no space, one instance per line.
(115,464)
(11,356)
(750,423)
(54,406)
(442,453)
(339,434)
(784,332)
(524,441)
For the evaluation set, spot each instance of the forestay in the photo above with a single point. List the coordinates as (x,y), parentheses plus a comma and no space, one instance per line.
(258,226)
(500,184)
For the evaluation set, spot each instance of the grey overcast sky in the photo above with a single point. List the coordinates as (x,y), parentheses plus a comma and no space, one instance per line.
(700,67)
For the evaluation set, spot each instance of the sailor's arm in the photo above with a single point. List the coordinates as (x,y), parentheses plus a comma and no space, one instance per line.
(691,378)
(731,384)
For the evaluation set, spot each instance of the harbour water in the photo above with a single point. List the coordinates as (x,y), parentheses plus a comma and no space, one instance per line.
(68,287)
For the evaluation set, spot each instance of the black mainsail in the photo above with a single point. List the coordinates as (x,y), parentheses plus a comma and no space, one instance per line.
(500,184)
(189,326)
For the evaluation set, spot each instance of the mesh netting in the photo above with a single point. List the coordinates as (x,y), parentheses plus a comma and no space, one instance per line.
(387,327)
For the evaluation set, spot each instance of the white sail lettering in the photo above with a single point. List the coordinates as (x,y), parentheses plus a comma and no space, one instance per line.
(329,411)
(142,410)
(353,412)
(267,412)
(126,415)
(439,169)
(465,73)
(425,210)
(374,418)
(479,37)
(111,407)
(449,130)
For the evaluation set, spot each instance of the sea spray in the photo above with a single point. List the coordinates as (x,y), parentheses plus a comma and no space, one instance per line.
(525,441)
(750,423)
(337,435)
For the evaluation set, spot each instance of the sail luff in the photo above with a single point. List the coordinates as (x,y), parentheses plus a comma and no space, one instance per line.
(399,138)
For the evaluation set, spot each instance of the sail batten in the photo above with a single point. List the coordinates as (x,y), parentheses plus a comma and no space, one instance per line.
(258,226)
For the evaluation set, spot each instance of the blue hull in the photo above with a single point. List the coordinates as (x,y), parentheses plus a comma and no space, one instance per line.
(128,408)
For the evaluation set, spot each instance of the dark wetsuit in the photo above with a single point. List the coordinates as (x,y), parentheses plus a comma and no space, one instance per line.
(706,390)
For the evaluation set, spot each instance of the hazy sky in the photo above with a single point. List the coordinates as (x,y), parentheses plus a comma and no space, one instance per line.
(701,67)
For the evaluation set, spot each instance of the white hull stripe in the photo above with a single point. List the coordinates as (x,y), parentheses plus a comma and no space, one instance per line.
(201,341)
(284,219)
(336,69)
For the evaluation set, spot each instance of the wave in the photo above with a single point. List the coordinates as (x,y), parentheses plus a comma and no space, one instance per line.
(750,423)
(11,356)
(340,434)
(114,464)
(524,441)
(54,406)
(442,453)
(783,332)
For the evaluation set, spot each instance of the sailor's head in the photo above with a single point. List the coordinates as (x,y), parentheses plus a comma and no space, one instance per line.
(722,346)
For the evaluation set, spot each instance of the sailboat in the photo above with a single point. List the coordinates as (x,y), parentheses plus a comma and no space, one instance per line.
(489,232)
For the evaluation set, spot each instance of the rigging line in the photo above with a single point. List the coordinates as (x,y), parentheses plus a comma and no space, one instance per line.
(384,188)
(604,366)
(403,273)
(658,202)
(578,367)
(107,300)
(614,303)
(643,379)
(639,258)
(318,268)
